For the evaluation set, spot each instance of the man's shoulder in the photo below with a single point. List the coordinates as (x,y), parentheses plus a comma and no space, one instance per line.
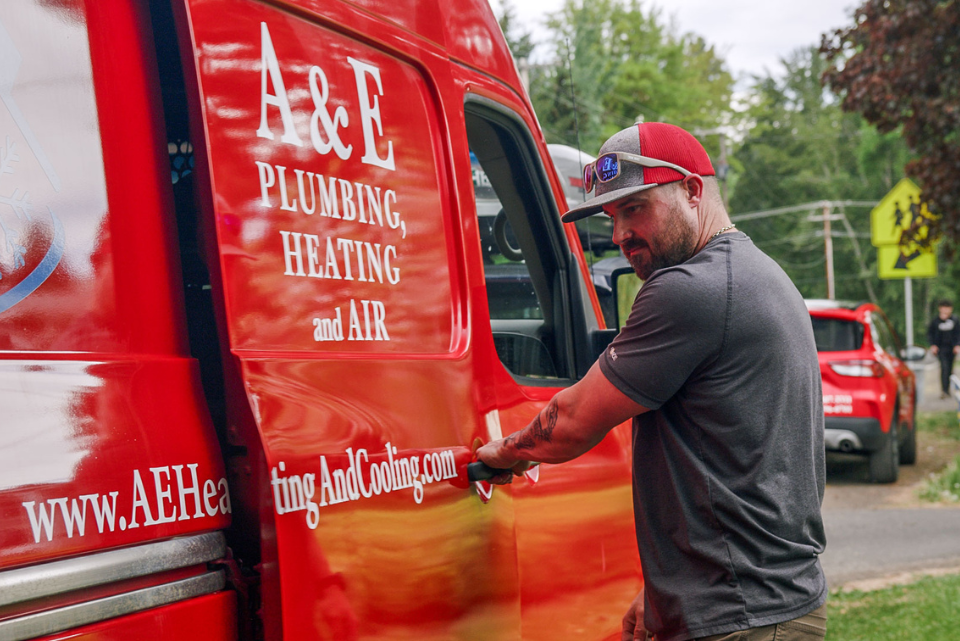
(684,297)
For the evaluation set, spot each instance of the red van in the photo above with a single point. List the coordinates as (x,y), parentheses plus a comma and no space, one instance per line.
(259,305)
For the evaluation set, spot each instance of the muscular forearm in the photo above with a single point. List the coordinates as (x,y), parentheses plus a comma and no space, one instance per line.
(554,436)
(574,420)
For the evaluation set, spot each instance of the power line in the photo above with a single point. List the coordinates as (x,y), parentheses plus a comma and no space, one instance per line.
(804,207)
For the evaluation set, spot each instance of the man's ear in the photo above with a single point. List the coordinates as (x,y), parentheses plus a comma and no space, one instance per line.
(692,187)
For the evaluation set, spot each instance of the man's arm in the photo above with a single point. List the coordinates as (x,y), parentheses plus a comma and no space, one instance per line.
(932,332)
(574,420)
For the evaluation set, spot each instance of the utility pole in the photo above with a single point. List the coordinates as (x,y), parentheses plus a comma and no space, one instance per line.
(828,250)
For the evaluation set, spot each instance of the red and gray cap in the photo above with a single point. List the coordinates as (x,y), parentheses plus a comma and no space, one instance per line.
(652,139)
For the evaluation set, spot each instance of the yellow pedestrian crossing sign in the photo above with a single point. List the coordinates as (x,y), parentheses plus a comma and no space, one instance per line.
(894,262)
(900,229)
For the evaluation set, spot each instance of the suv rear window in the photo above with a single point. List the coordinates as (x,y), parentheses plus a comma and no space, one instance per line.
(835,335)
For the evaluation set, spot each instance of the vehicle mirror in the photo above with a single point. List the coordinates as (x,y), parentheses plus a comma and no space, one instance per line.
(626,286)
(617,301)
(913,353)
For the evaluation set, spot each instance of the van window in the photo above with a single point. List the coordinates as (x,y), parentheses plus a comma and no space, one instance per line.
(521,241)
(57,270)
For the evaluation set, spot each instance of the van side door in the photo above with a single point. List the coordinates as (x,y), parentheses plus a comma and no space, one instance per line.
(346,304)
(578,564)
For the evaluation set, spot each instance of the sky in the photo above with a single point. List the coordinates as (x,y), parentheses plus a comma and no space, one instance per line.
(752,35)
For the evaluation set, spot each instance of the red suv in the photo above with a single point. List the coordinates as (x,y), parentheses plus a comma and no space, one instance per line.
(869,393)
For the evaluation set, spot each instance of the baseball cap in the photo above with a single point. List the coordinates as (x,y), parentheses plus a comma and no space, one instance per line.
(658,140)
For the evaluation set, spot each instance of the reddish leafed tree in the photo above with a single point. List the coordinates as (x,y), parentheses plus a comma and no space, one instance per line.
(899,66)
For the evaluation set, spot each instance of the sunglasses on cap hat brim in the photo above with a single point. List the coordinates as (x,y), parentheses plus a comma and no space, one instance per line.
(607,167)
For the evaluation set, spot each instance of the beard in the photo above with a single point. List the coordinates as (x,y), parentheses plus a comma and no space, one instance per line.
(676,243)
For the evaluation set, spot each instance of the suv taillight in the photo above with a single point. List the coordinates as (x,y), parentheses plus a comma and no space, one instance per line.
(864,368)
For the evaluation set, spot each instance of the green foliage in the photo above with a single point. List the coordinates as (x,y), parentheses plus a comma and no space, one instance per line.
(625,65)
(922,611)
(898,66)
(800,147)
(518,40)
(618,62)
(943,487)
(942,424)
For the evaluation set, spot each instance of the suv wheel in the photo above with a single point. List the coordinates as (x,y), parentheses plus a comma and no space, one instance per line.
(908,451)
(885,462)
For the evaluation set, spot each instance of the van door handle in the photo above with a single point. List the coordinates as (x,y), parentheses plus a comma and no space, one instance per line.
(480,471)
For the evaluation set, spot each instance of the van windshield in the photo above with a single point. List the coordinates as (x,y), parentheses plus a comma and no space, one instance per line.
(835,335)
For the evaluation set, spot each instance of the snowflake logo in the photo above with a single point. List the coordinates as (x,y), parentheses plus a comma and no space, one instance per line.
(17,202)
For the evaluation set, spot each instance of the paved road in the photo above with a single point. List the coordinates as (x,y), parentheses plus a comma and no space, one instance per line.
(871,543)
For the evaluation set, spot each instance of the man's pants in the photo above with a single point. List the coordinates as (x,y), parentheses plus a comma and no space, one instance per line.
(806,628)
(946,368)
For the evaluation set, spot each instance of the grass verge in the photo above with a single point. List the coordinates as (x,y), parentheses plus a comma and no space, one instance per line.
(922,611)
(943,486)
(943,424)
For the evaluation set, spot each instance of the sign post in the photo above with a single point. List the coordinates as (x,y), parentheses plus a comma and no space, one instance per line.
(899,229)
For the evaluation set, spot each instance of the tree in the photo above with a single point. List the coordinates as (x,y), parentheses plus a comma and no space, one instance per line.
(800,147)
(519,40)
(621,64)
(899,66)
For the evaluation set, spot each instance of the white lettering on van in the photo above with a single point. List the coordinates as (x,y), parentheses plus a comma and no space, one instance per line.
(321,118)
(356,475)
(366,322)
(325,128)
(172,492)
(269,65)
(338,258)
(330,328)
(340,199)
(356,205)
(185,490)
(370,114)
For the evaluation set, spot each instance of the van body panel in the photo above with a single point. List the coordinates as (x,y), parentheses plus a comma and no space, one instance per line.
(321,246)
(328,350)
(96,458)
(362,382)
(105,428)
(207,618)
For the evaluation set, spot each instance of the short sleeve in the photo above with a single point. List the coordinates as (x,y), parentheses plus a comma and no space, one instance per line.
(676,326)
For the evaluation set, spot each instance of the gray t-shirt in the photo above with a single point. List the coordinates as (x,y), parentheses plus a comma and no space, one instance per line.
(729,465)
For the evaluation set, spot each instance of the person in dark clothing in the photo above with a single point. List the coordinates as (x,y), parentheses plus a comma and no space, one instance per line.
(943,334)
(728,467)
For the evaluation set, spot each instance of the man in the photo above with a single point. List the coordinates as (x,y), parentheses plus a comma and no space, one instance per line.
(718,369)
(943,334)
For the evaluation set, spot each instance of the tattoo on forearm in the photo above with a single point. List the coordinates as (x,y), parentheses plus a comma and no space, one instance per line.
(537,431)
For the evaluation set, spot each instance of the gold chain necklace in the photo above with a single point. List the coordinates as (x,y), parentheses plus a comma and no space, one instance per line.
(723,229)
